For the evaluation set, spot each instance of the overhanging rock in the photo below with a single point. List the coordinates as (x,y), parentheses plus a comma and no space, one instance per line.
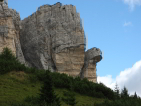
(92,56)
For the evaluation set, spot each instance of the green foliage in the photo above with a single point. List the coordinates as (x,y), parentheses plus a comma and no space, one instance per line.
(121,102)
(16,89)
(31,100)
(116,91)
(82,86)
(124,93)
(8,62)
(47,95)
(69,98)
(135,96)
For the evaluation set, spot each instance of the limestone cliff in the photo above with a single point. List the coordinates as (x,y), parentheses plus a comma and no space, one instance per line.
(51,38)
(9,30)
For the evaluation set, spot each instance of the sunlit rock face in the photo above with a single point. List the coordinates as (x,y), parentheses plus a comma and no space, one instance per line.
(92,56)
(9,30)
(53,37)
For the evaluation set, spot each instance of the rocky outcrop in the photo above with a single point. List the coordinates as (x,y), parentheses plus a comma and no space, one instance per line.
(92,56)
(9,30)
(53,38)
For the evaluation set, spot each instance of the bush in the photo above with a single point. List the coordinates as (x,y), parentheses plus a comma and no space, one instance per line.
(83,87)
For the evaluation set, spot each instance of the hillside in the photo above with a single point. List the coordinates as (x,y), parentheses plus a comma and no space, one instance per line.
(15,87)
(18,84)
(24,86)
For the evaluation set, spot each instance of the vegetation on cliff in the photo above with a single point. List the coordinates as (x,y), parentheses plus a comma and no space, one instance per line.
(23,86)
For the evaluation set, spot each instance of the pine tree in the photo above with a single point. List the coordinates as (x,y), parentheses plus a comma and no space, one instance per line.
(116,90)
(124,93)
(9,62)
(47,95)
(135,96)
(7,55)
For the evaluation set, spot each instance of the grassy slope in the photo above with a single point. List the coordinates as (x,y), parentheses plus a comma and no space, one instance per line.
(16,86)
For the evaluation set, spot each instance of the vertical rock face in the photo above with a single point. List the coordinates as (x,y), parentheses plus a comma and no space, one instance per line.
(53,38)
(9,30)
(92,56)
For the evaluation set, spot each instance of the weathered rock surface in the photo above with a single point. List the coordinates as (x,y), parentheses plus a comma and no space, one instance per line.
(92,56)
(9,30)
(51,38)
(54,38)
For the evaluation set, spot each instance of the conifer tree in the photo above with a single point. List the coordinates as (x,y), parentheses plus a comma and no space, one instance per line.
(124,93)
(135,96)
(116,90)
(7,55)
(47,95)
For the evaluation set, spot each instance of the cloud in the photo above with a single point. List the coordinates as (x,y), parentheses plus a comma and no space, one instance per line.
(107,80)
(132,3)
(130,78)
(127,24)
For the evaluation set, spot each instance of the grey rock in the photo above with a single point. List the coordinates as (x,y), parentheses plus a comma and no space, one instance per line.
(10,30)
(51,38)
(92,56)
(48,35)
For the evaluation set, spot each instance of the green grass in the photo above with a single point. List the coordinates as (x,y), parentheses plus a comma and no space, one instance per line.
(16,86)
(81,99)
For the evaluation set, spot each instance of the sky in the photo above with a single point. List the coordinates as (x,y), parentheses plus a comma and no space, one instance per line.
(114,26)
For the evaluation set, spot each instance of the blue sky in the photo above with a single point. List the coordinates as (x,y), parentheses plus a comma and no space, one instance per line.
(114,26)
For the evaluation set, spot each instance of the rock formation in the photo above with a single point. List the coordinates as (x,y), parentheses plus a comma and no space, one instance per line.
(92,56)
(54,38)
(9,30)
(51,38)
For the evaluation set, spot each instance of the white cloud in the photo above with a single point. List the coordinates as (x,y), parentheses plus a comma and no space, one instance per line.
(132,3)
(130,78)
(127,24)
(107,80)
